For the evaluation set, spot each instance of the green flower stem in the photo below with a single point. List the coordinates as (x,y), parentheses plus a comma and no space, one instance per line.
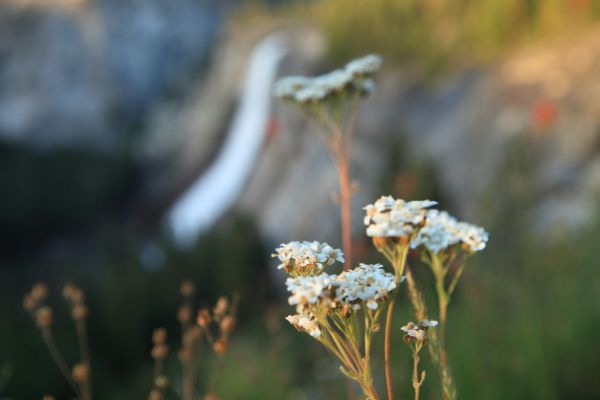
(397,257)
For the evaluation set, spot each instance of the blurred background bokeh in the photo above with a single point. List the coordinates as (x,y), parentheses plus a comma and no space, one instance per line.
(140,146)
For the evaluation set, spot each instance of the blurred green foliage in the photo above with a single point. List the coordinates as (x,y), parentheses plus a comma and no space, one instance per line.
(437,34)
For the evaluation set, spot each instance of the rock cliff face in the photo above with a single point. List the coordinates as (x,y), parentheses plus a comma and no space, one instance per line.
(537,106)
(82,72)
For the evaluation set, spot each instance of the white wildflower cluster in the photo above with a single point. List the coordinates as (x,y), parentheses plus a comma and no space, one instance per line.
(354,78)
(441,231)
(304,321)
(305,258)
(413,332)
(366,284)
(307,290)
(388,217)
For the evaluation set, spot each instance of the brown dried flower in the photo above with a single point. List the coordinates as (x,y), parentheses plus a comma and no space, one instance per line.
(204,318)
(44,317)
(221,307)
(39,292)
(220,346)
(155,394)
(81,373)
(159,336)
(29,303)
(79,311)
(160,352)
(184,314)
(187,288)
(227,324)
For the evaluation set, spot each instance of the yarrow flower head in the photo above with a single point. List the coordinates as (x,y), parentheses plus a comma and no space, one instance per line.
(305,322)
(388,217)
(306,258)
(442,231)
(366,284)
(364,66)
(418,332)
(354,78)
(308,290)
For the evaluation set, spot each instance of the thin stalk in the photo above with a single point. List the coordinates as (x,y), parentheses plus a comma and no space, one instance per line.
(58,359)
(388,372)
(416,386)
(85,354)
(345,208)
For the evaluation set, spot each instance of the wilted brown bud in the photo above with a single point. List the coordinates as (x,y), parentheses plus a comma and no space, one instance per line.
(44,317)
(187,288)
(211,396)
(346,310)
(376,327)
(203,319)
(380,242)
(79,311)
(221,307)
(220,346)
(161,382)
(81,373)
(159,336)
(155,395)
(227,324)
(29,303)
(39,292)
(160,352)
(184,314)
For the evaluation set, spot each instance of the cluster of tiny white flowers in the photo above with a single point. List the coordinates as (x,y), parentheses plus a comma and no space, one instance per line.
(305,321)
(307,257)
(473,236)
(307,290)
(418,332)
(367,283)
(441,231)
(353,78)
(388,217)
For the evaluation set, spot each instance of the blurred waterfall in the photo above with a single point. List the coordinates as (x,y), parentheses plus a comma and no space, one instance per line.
(216,190)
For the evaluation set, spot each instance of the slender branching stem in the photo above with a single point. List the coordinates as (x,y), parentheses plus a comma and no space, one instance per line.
(85,355)
(58,358)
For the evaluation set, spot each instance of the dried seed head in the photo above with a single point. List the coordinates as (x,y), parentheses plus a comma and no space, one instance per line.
(44,317)
(79,311)
(29,304)
(155,394)
(159,336)
(204,318)
(160,352)
(220,346)
(184,314)
(161,382)
(227,324)
(39,292)
(221,307)
(187,288)
(68,290)
(81,373)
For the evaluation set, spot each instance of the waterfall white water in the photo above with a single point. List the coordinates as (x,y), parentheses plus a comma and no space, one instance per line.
(216,190)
